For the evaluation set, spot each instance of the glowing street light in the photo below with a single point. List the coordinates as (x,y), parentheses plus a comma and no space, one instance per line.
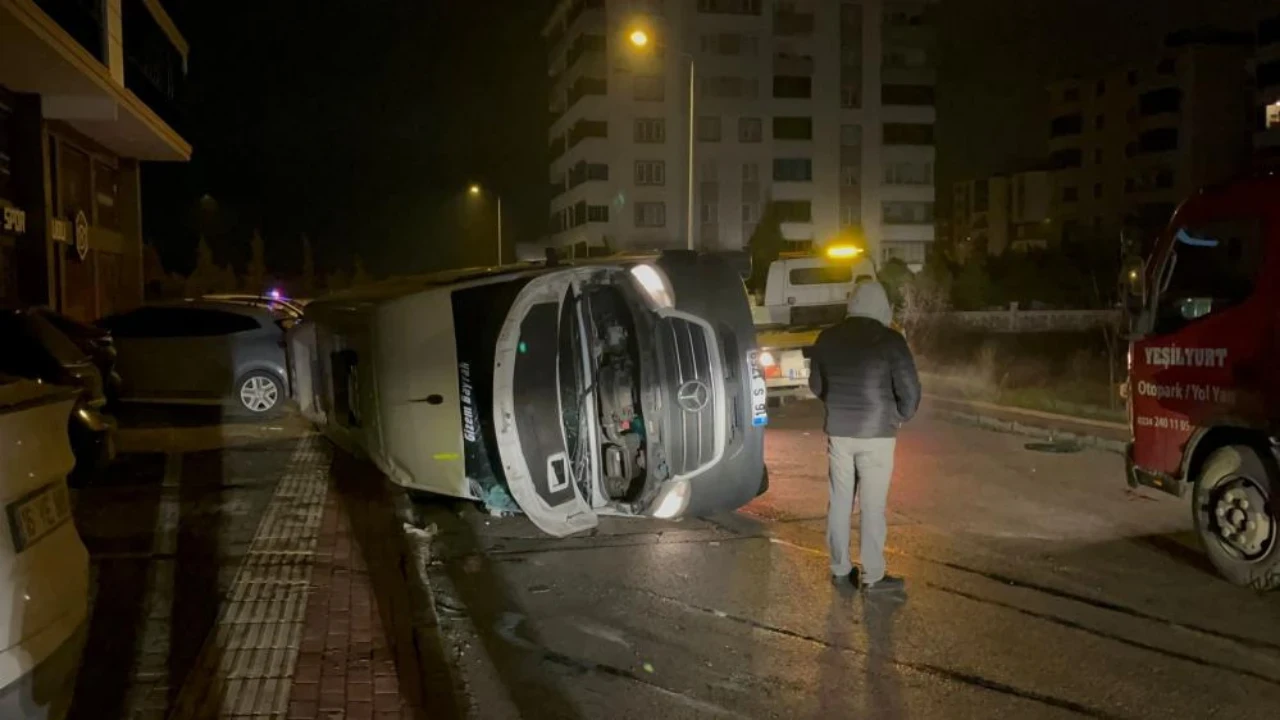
(639,39)
(474,190)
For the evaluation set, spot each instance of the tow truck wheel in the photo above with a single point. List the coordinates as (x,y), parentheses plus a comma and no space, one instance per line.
(1236,516)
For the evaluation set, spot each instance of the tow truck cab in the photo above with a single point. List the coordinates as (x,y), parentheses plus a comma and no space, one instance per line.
(1204,397)
(803,294)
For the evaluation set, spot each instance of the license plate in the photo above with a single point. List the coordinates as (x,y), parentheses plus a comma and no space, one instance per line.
(759,392)
(39,513)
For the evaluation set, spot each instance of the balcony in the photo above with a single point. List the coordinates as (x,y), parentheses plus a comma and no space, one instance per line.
(586,129)
(1160,102)
(122,95)
(1066,125)
(792,24)
(577,9)
(907,95)
(908,76)
(787,64)
(82,20)
(587,86)
(1157,141)
(155,69)
(584,171)
(585,44)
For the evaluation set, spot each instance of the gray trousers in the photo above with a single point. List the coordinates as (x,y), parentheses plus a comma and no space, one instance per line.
(861,466)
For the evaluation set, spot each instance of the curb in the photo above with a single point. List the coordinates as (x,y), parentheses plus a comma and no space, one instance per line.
(437,672)
(1029,429)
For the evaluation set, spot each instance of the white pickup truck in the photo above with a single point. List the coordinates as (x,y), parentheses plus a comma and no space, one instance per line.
(803,295)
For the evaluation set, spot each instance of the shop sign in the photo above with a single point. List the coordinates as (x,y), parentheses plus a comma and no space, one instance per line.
(82,235)
(14,221)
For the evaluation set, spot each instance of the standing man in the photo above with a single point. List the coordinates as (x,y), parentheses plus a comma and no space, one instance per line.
(864,373)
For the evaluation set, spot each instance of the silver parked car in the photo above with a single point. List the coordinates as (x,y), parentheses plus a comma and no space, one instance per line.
(203,350)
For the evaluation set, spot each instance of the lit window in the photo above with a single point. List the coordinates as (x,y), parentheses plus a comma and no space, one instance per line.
(1273,115)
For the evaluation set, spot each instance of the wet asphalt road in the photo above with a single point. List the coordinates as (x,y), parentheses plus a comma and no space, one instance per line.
(1040,586)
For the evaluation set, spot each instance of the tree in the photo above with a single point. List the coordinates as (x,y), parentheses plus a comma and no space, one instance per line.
(206,275)
(307,287)
(765,246)
(227,281)
(972,287)
(255,276)
(360,276)
(927,294)
(895,276)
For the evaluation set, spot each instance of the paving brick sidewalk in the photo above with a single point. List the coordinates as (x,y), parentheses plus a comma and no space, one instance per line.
(345,666)
(302,634)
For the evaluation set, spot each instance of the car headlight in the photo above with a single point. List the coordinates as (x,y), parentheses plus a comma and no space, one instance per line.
(672,500)
(655,285)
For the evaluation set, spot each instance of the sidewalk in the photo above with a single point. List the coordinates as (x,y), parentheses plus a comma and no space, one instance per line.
(314,621)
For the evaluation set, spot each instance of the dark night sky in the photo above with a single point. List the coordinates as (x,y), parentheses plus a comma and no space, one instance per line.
(360,123)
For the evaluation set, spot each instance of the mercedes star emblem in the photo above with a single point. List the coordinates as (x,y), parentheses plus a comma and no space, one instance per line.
(693,396)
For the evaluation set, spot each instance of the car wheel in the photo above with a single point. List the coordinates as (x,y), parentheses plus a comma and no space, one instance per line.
(1236,516)
(259,392)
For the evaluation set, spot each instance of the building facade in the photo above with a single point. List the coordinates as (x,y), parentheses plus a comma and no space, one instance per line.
(1008,212)
(87,92)
(821,112)
(980,216)
(1126,146)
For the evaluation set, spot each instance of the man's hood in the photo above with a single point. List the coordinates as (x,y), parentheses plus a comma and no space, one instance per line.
(870,301)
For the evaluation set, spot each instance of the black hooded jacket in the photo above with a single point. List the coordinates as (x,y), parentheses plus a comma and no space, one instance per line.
(863,371)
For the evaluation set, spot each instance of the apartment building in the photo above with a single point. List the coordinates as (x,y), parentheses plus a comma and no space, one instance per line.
(821,111)
(1267,72)
(88,90)
(1127,145)
(1002,212)
(980,216)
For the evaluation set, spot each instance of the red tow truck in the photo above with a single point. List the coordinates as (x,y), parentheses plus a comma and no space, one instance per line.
(1204,383)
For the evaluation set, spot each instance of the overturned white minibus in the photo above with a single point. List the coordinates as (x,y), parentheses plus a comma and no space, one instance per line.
(622,386)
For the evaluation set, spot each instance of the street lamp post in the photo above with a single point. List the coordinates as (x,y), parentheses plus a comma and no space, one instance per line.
(475,190)
(640,39)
